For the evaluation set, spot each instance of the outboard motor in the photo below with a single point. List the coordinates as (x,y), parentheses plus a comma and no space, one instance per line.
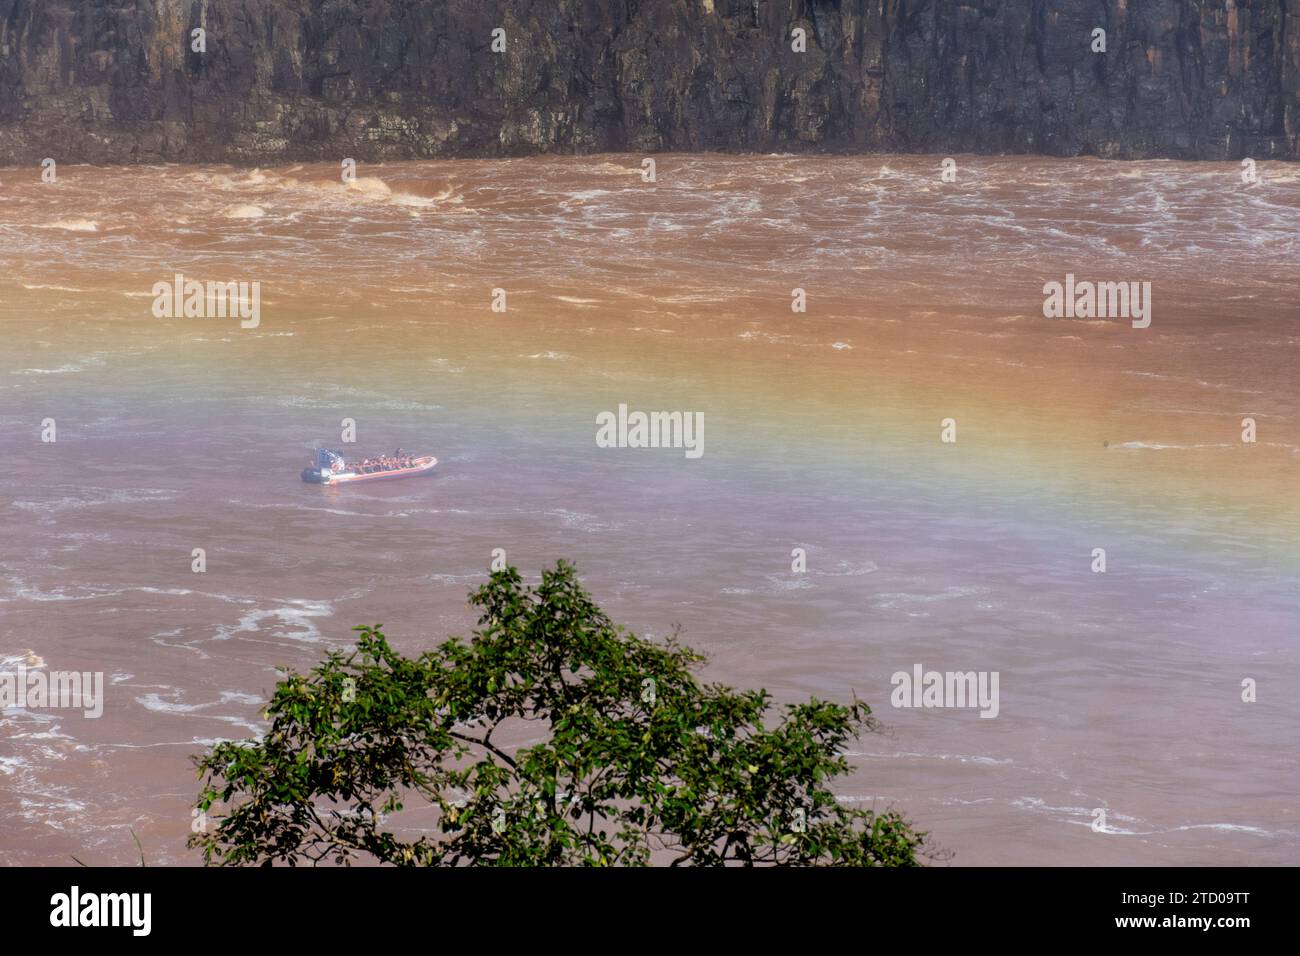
(327,462)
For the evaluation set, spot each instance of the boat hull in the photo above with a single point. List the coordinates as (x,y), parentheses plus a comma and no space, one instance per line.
(421,466)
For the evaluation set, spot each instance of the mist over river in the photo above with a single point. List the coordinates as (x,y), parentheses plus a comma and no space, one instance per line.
(1120,691)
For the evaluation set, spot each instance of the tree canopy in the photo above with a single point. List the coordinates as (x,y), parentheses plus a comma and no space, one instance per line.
(626,758)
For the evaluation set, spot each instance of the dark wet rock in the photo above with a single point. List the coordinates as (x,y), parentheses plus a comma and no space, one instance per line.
(110,81)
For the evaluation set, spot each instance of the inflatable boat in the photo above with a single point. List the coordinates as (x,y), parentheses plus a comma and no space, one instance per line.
(331,469)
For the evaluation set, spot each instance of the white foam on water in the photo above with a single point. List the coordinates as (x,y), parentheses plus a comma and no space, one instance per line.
(418,202)
(94,497)
(979,759)
(13,661)
(788,582)
(774,337)
(21,591)
(849,569)
(1157,446)
(73,225)
(156,704)
(43,807)
(614,169)
(80,536)
(1081,816)
(61,370)
(294,619)
(456,578)
(294,506)
(582,195)
(238,697)
(896,599)
(10,765)
(52,288)
(243,211)
(1236,827)
(79,365)
(370,186)
(582,522)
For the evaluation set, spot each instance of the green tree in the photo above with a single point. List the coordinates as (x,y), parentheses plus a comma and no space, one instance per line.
(637,763)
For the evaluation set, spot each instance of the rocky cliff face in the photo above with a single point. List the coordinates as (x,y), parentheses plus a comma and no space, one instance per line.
(111,81)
